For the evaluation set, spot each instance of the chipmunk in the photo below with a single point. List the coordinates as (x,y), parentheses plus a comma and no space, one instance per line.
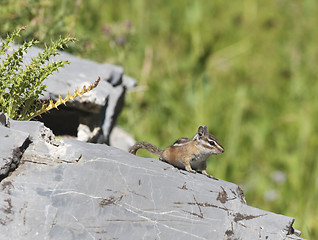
(186,153)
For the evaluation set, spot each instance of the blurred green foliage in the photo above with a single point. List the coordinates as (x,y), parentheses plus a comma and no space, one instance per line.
(247,69)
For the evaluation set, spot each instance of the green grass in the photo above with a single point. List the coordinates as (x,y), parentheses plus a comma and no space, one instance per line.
(247,69)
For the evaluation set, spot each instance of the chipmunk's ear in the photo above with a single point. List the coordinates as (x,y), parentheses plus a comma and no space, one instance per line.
(205,128)
(201,132)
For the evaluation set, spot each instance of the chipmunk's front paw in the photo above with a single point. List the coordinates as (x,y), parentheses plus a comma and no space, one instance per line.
(209,176)
(189,169)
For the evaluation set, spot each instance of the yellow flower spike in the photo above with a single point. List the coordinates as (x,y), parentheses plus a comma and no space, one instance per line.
(69,97)
(84,89)
(60,101)
(49,104)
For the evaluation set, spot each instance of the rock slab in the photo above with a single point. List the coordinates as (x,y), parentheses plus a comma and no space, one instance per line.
(68,189)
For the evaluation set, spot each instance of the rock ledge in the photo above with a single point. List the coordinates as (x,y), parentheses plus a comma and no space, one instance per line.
(67,189)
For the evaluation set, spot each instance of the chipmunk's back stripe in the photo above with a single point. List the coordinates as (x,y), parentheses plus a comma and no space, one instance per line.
(181,142)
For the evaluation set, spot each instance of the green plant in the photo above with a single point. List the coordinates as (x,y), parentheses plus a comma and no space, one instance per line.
(21,85)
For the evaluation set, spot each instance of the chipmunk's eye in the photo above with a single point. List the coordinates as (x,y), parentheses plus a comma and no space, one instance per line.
(211,142)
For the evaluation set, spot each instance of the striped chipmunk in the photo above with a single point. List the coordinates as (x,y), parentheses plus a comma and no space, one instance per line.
(185,153)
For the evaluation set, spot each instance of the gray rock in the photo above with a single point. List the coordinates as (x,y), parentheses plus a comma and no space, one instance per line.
(119,138)
(12,144)
(68,189)
(98,108)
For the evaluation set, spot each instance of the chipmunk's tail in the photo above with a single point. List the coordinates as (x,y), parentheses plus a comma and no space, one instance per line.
(148,146)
